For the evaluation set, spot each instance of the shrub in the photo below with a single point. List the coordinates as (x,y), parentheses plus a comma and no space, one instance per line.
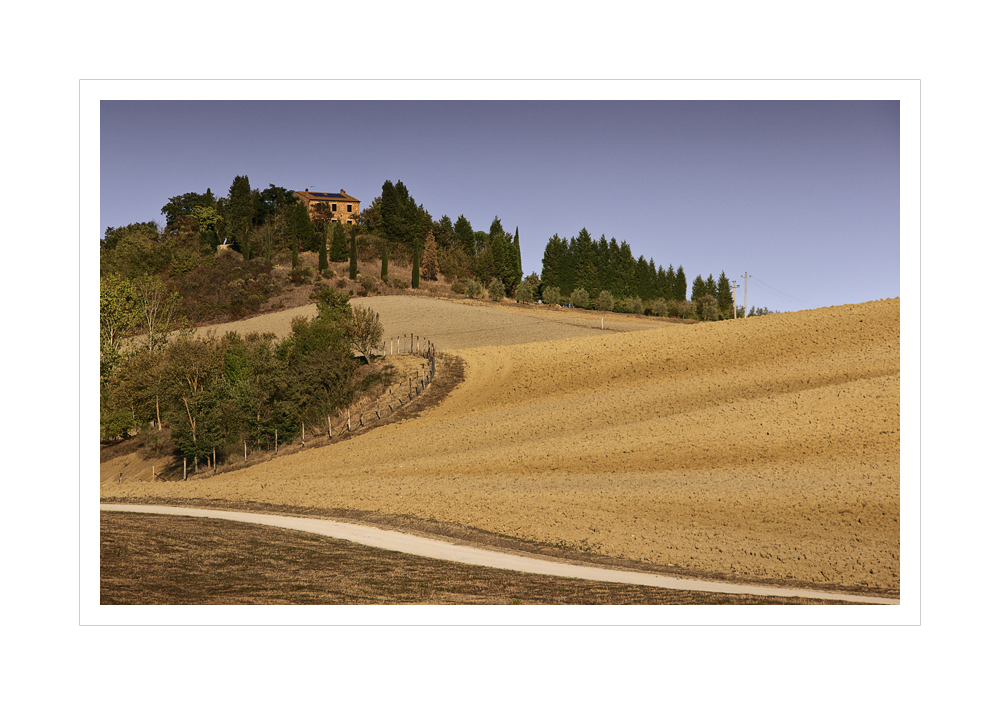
(525,292)
(658,307)
(552,295)
(460,286)
(398,283)
(300,275)
(634,305)
(474,290)
(369,285)
(605,301)
(580,299)
(496,290)
(707,308)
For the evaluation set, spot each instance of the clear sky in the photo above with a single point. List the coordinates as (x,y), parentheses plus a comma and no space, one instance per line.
(804,196)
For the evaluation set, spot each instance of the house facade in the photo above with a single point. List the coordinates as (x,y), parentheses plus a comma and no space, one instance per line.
(343,207)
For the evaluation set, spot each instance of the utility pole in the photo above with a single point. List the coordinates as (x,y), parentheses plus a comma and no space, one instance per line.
(734,286)
(745,278)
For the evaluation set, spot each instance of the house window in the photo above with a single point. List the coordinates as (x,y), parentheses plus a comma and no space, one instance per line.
(348,207)
(333,207)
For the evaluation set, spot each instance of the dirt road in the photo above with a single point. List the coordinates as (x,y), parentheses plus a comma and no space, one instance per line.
(456,553)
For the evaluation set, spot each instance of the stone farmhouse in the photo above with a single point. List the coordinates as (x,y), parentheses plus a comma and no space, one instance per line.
(344,208)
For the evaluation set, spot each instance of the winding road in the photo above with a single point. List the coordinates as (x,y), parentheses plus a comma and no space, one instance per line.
(443,550)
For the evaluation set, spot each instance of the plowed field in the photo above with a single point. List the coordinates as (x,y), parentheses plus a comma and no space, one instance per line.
(764,447)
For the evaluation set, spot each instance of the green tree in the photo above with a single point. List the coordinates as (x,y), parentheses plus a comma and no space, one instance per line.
(339,251)
(365,333)
(354,256)
(725,296)
(385,261)
(579,298)
(239,214)
(323,263)
(158,309)
(496,290)
(698,288)
(680,285)
(187,204)
(415,279)
(465,234)
(119,315)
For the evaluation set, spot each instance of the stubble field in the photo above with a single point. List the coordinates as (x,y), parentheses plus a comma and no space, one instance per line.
(764,447)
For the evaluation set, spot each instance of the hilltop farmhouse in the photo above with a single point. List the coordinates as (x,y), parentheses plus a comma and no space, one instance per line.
(343,207)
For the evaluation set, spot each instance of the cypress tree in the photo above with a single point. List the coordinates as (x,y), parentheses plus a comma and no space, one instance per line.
(680,282)
(354,256)
(323,264)
(725,296)
(385,261)
(429,260)
(517,250)
(415,282)
(698,289)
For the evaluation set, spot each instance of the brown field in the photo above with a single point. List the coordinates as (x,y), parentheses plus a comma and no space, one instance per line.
(762,448)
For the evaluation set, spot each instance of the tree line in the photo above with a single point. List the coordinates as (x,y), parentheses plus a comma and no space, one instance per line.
(215,394)
(605,275)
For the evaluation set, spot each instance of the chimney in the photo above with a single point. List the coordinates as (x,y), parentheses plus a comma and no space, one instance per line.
(343,192)
(307,190)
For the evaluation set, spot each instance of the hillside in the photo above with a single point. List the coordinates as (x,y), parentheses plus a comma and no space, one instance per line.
(756,447)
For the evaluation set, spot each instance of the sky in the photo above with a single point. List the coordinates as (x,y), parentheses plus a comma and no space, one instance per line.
(802,196)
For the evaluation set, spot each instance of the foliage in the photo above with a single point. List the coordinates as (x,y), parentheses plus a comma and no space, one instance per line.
(385,262)
(658,307)
(300,275)
(725,297)
(428,264)
(365,332)
(605,301)
(339,251)
(707,308)
(579,298)
(238,213)
(354,255)
(415,278)
(119,315)
(474,289)
(158,310)
(323,264)
(525,293)
(634,304)
(496,290)
(551,295)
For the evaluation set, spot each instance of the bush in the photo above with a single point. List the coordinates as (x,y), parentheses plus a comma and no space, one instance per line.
(634,305)
(460,286)
(707,308)
(300,275)
(525,292)
(369,285)
(605,301)
(474,290)
(580,299)
(496,290)
(658,307)
(552,295)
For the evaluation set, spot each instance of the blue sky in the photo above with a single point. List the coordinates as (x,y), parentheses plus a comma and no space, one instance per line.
(804,196)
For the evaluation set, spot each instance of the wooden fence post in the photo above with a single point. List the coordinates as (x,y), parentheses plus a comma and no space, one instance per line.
(185,468)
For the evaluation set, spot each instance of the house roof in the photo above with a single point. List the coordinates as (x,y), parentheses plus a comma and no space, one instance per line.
(324,196)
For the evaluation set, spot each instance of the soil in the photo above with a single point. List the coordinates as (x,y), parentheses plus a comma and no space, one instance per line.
(765,447)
